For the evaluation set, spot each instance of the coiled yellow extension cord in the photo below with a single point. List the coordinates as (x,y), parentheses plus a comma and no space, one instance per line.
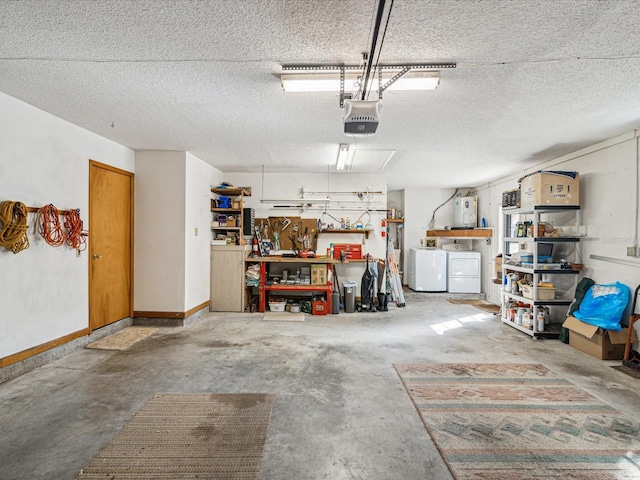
(13,226)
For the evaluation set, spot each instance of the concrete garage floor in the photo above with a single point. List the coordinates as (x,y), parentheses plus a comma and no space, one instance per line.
(341,411)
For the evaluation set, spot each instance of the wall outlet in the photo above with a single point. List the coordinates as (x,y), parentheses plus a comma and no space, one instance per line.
(196,231)
(631,251)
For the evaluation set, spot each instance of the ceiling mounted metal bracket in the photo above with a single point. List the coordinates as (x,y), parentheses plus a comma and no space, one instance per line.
(392,80)
(412,66)
(342,87)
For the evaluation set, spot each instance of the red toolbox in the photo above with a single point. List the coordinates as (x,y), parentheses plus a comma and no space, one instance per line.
(319,307)
(352,251)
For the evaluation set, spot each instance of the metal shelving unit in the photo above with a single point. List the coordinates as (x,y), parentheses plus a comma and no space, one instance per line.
(537,270)
(264,289)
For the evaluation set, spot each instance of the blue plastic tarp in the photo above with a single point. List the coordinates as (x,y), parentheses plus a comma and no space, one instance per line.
(604,305)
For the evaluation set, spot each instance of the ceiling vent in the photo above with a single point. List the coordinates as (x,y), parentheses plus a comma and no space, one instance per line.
(361,117)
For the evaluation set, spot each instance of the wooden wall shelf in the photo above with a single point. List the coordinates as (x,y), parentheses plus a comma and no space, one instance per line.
(275,259)
(355,231)
(232,191)
(227,210)
(460,233)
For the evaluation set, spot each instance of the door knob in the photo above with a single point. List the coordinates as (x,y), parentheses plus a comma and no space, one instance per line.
(96,256)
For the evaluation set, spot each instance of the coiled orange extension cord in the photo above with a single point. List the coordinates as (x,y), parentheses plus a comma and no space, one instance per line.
(13,226)
(50,227)
(76,237)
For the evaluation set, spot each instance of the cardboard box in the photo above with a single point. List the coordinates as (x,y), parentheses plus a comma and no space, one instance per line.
(318,274)
(550,188)
(599,343)
(231,221)
(497,267)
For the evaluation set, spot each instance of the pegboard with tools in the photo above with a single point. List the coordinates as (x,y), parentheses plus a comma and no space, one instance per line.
(289,233)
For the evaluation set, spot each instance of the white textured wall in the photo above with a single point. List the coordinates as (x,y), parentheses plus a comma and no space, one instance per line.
(200,177)
(288,186)
(173,198)
(159,275)
(419,204)
(43,159)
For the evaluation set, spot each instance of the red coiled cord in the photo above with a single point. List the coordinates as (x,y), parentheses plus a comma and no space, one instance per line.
(50,227)
(76,237)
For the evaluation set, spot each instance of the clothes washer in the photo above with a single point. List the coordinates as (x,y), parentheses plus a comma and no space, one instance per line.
(427,270)
(464,272)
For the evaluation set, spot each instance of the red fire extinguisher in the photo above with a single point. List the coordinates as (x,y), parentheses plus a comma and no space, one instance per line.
(254,247)
(383,224)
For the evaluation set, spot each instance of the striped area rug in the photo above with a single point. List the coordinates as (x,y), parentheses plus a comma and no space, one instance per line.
(520,421)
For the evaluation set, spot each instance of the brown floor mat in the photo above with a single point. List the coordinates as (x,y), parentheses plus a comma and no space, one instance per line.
(122,339)
(487,307)
(180,436)
(632,372)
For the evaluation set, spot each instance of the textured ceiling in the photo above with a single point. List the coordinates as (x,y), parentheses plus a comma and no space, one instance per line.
(535,79)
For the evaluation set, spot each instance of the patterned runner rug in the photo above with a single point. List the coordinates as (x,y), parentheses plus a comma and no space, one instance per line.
(520,422)
(188,436)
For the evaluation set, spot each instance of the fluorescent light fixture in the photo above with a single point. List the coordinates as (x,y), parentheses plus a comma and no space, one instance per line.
(330,82)
(343,154)
(417,81)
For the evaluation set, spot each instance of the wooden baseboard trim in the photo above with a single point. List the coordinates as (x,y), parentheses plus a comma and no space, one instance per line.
(30,352)
(197,308)
(147,314)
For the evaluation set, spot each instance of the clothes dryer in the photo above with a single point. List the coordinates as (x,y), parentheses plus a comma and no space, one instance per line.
(464,272)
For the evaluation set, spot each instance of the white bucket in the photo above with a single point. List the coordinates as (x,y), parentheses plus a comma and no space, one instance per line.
(277,306)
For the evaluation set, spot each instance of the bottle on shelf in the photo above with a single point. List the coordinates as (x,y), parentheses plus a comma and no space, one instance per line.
(540,319)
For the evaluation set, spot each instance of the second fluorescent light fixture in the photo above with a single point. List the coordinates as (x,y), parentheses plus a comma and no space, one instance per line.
(330,82)
(343,155)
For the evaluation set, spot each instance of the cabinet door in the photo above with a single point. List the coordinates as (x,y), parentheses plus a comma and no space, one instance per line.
(227,279)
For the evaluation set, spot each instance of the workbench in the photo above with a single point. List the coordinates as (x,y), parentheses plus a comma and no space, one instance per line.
(264,288)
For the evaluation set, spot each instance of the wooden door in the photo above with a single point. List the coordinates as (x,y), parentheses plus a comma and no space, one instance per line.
(110,244)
